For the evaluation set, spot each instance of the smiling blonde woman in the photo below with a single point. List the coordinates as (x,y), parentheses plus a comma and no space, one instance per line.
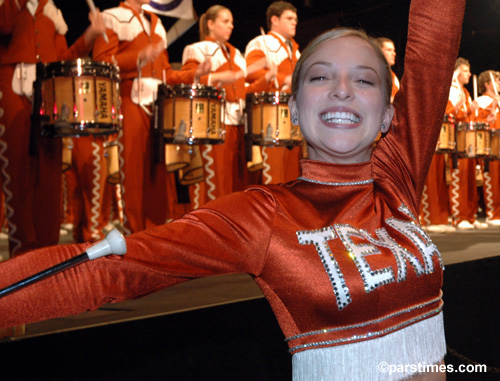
(353,279)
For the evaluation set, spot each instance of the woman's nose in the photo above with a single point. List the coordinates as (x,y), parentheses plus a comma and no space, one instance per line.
(341,89)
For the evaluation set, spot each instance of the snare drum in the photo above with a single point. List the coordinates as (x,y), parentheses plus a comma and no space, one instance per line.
(473,139)
(495,144)
(268,120)
(191,114)
(447,137)
(79,98)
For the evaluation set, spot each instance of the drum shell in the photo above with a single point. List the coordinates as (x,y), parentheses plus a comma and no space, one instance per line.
(80,98)
(191,114)
(473,139)
(268,120)
(447,137)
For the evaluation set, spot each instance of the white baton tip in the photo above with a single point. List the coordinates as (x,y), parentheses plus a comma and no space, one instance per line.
(114,243)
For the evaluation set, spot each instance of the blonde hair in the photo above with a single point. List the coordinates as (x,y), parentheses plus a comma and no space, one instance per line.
(210,14)
(334,34)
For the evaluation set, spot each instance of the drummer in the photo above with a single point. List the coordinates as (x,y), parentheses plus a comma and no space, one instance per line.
(137,44)
(463,189)
(225,164)
(33,31)
(389,50)
(488,103)
(279,47)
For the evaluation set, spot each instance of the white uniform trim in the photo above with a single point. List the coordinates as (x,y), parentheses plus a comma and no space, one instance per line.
(277,52)
(457,95)
(484,101)
(200,51)
(127,27)
(420,344)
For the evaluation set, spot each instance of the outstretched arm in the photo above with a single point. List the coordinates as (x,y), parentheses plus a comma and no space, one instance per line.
(420,104)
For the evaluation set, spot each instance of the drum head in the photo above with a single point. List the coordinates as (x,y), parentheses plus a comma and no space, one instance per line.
(195,91)
(80,67)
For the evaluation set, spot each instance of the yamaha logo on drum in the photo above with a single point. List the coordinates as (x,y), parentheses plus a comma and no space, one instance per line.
(102,96)
(212,124)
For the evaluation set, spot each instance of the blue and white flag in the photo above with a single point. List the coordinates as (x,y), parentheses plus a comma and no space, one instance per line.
(182,9)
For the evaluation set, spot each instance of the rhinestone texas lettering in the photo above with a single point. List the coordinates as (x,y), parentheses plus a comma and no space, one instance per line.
(371,279)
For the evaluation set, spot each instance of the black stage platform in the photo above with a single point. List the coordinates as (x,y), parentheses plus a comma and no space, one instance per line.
(221,328)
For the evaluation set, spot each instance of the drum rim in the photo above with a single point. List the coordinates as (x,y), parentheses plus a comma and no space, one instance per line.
(185,90)
(90,129)
(67,68)
(481,125)
(268,97)
(193,141)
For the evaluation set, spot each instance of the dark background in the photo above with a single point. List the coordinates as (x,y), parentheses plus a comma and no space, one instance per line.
(389,18)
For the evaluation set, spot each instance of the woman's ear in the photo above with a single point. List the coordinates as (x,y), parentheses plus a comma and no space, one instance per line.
(387,119)
(210,25)
(294,113)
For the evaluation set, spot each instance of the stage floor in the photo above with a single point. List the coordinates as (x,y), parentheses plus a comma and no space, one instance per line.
(455,247)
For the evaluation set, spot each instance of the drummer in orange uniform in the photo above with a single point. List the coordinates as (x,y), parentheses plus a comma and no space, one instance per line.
(463,188)
(279,47)
(32,31)
(225,164)
(488,103)
(137,44)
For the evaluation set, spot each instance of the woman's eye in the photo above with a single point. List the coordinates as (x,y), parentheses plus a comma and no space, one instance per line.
(365,82)
(318,78)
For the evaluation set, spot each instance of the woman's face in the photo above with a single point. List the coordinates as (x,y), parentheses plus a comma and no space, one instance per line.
(340,102)
(222,27)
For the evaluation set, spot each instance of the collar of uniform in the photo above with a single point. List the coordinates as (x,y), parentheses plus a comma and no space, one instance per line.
(127,5)
(277,35)
(281,38)
(335,174)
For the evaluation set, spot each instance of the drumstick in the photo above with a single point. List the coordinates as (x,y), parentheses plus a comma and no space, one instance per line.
(494,84)
(114,243)
(92,8)
(494,89)
(474,86)
(267,55)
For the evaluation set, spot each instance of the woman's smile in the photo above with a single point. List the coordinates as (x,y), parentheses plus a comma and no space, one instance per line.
(340,119)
